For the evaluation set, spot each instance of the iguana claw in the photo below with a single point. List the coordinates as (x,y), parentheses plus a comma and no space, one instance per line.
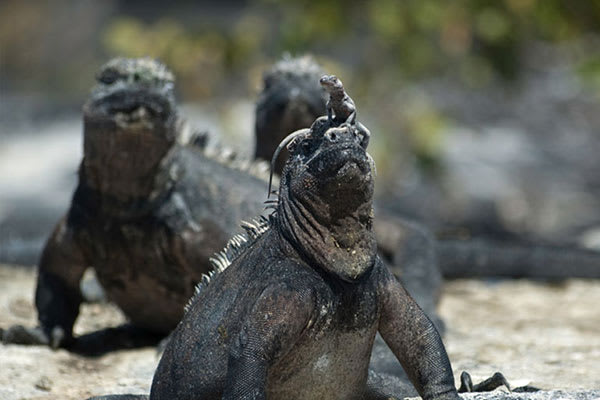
(494,382)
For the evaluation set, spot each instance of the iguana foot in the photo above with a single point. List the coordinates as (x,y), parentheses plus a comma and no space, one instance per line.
(90,288)
(494,382)
(126,336)
(526,389)
(364,134)
(19,334)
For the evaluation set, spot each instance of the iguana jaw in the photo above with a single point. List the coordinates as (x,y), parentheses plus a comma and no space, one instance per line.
(131,105)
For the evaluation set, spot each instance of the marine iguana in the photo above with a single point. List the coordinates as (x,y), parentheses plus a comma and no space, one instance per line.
(399,239)
(147,213)
(290,98)
(295,313)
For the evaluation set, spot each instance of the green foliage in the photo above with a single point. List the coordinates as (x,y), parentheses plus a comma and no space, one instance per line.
(203,59)
(475,41)
(589,72)
(424,37)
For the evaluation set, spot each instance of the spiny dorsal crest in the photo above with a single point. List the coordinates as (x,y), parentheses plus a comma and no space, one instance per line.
(228,157)
(253,229)
(189,136)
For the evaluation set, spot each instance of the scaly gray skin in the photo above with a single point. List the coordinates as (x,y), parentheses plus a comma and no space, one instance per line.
(147,213)
(296,313)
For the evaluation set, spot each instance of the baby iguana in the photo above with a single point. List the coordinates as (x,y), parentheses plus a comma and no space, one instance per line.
(342,106)
(295,313)
(147,214)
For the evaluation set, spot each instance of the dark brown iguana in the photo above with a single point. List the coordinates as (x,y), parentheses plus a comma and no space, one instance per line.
(147,214)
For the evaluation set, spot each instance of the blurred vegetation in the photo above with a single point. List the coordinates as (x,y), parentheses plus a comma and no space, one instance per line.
(378,47)
(474,40)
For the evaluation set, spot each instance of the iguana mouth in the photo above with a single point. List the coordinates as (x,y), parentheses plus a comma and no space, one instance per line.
(132,105)
(339,161)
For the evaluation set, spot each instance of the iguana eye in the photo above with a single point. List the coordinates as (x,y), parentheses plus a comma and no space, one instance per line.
(306,146)
(292,146)
(108,76)
(268,82)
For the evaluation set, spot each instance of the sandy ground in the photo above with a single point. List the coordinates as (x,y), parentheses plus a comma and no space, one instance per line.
(547,335)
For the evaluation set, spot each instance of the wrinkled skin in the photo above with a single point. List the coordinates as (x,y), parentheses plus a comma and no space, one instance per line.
(296,314)
(147,213)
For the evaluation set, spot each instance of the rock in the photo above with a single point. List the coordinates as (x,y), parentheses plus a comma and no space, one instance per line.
(541,395)
(44,383)
(91,290)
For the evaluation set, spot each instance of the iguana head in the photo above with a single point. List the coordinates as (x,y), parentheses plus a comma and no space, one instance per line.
(332,159)
(128,88)
(291,99)
(331,84)
(129,125)
(325,198)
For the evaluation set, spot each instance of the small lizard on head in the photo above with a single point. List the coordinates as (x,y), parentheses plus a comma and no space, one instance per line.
(342,106)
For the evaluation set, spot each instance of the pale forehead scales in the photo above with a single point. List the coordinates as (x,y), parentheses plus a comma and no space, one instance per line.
(304,66)
(146,69)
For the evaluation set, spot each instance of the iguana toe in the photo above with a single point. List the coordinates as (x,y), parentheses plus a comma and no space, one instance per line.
(19,334)
(494,382)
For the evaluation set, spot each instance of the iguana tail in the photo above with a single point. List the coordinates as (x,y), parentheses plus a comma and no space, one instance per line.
(483,258)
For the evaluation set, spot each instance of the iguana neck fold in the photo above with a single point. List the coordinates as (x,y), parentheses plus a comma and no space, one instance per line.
(347,249)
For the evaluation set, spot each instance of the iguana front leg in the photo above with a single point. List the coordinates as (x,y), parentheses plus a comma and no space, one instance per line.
(329,112)
(418,346)
(57,295)
(270,330)
(416,343)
